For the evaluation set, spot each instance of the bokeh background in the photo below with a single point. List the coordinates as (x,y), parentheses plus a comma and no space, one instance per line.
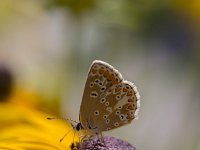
(47,46)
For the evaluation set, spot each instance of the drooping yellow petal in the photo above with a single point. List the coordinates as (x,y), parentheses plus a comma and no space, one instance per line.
(28,129)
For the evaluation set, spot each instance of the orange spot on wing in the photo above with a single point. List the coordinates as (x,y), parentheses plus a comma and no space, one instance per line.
(94,71)
(129,93)
(125,90)
(110,90)
(118,89)
(110,77)
(101,71)
(130,100)
(129,116)
(130,107)
(134,106)
(114,81)
(106,74)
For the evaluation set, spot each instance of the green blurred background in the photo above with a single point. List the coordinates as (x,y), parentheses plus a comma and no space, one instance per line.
(47,47)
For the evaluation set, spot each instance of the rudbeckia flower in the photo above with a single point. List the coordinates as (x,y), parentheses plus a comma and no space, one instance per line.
(28,129)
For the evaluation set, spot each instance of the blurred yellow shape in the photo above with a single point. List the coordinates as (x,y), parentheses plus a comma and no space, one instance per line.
(27,129)
(190,8)
(23,97)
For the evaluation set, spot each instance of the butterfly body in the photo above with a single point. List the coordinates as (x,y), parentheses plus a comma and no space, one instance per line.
(108,101)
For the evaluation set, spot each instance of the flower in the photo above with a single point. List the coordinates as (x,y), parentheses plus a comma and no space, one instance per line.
(104,143)
(27,129)
(23,126)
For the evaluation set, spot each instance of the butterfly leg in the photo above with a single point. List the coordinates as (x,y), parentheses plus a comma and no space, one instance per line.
(102,139)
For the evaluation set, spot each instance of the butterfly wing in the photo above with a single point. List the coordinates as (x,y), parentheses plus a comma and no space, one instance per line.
(108,100)
(120,107)
(101,77)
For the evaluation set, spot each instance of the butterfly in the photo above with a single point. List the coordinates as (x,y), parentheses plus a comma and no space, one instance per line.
(108,100)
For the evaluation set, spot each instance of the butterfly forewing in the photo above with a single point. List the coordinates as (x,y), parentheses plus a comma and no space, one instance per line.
(100,78)
(108,100)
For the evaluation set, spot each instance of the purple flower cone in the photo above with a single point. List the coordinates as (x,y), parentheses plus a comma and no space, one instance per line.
(107,143)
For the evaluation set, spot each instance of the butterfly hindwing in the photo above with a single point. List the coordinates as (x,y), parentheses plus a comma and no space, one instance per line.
(108,100)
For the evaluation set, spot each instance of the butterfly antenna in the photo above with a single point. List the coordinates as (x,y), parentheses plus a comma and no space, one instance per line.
(101,136)
(65,135)
(53,118)
(73,145)
(74,136)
